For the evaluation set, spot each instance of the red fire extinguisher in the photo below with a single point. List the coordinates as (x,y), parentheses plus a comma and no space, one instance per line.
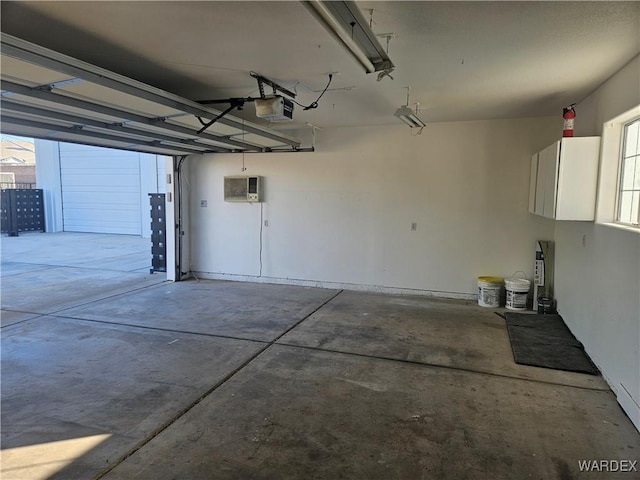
(568,113)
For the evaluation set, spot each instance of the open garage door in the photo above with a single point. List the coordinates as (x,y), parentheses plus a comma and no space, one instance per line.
(49,95)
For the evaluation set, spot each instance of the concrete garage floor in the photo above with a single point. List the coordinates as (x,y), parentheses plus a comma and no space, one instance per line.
(110,372)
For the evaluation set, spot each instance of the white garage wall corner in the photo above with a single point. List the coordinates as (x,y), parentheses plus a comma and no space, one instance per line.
(342,216)
(48,179)
(597,278)
(169,187)
(186,227)
(161,171)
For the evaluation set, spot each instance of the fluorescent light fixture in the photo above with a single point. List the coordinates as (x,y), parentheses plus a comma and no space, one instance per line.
(409,117)
(345,22)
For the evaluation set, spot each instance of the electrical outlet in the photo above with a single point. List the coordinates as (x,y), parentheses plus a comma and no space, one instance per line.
(414,226)
(203,203)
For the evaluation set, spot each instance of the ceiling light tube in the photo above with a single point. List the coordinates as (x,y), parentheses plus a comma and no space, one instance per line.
(407,115)
(340,19)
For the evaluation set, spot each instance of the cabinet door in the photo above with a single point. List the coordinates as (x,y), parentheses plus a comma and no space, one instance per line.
(578,178)
(540,184)
(548,177)
(533,180)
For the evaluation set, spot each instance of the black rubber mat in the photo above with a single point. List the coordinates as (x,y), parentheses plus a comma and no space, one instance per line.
(545,341)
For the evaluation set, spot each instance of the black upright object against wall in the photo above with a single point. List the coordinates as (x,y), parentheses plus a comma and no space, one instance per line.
(22,211)
(158,233)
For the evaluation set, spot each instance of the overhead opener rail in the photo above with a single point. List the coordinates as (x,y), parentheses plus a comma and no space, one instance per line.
(239,102)
(46,94)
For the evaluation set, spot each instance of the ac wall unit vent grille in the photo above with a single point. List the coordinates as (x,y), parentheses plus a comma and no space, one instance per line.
(242,189)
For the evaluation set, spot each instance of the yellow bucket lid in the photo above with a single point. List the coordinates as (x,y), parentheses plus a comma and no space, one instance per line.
(490,279)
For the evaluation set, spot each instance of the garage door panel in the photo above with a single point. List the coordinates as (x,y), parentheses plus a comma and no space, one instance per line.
(22,71)
(101,180)
(100,228)
(78,159)
(95,151)
(101,200)
(82,164)
(101,190)
(103,220)
(104,216)
(85,161)
(90,189)
(97,208)
(102,170)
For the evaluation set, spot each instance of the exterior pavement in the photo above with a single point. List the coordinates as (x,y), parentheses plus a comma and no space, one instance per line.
(111,372)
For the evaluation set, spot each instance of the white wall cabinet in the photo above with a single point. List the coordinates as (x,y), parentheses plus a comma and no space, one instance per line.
(564,179)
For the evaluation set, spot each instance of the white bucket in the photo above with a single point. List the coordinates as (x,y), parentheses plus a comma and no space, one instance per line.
(517,291)
(489,289)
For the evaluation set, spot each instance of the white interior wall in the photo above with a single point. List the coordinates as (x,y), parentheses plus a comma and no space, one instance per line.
(597,280)
(342,216)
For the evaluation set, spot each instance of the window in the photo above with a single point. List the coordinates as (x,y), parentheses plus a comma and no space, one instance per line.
(628,210)
(618,203)
(7,180)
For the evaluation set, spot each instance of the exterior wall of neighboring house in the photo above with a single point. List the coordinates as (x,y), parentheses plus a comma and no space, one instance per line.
(17,158)
(22,174)
(100,190)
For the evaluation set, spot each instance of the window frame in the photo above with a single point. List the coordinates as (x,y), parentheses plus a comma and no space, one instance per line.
(621,171)
(610,170)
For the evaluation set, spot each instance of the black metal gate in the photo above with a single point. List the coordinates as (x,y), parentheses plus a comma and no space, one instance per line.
(22,210)
(158,233)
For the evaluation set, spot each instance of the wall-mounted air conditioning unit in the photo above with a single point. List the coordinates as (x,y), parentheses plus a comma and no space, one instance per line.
(242,189)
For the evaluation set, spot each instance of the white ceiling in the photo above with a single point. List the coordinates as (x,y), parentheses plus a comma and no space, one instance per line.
(463,60)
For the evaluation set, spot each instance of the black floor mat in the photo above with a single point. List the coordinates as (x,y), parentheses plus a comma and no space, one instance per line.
(545,341)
